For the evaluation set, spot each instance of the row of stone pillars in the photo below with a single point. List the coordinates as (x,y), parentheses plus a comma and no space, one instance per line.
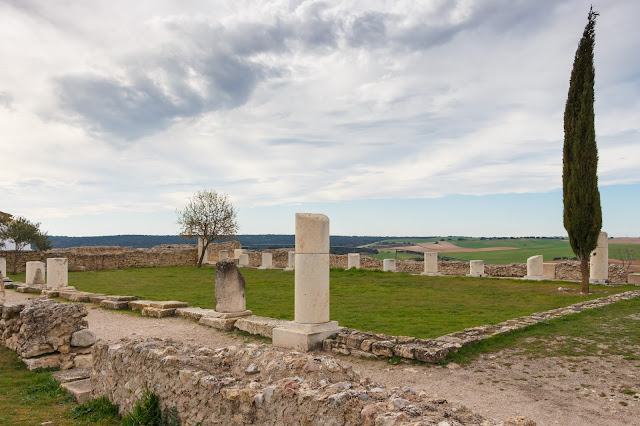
(56,272)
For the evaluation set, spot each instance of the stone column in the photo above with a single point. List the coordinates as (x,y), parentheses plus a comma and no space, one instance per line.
(291,261)
(599,262)
(549,270)
(223,255)
(57,273)
(389,265)
(353,260)
(431,264)
(311,323)
(535,269)
(3,267)
(35,273)
(243,260)
(267,261)
(476,268)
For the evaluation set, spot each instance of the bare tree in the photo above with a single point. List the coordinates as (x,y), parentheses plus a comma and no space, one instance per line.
(626,255)
(210,216)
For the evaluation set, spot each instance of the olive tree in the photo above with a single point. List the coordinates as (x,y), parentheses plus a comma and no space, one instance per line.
(20,231)
(210,216)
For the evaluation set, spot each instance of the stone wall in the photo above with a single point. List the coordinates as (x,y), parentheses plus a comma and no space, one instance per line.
(46,333)
(213,251)
(259,384)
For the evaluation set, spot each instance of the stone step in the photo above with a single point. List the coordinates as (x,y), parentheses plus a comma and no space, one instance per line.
(80,389)
(72,375)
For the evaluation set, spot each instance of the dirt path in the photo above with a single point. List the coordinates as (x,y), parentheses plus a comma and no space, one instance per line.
(550,391)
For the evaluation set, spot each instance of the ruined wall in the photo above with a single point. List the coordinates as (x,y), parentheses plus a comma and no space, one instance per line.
(214,249)
(46,333)
(258,384)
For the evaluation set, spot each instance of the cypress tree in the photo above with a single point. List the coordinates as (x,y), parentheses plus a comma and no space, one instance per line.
(582,211)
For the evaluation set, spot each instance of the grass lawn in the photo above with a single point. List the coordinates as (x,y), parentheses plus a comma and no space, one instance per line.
(385,302)
(611,330)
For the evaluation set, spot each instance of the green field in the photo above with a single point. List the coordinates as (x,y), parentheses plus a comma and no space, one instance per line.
(397,304)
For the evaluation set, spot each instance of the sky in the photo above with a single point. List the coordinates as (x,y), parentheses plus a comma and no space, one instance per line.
(394,117)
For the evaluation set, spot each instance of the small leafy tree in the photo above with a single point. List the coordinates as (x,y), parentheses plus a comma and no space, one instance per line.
(20,231)
(210,216)
(582,211)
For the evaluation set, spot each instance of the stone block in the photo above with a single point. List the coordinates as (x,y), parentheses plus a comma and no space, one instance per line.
(599,261)
(35,273)
(634,279)
(121,298)
(304,337)
(80,296)
(83,361)
(243,260)
(229,288)
(237,253)
(549,270)
(353,260)
(66,294)
(150,311)
(291,261)
(97,298)
(225,324)
(138,305)
(57,272)
(267,261)
(80,389)
(389,265)
(262,326)
(476,268)
(431,264)
(46,361)
(535,269)
(168,304)
(71,375)
(30,289)
(223,255)
(114,304)
(193,313)
(83,338)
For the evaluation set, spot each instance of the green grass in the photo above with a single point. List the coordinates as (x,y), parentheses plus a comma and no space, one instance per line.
(500,257)
(519,243)
(398,304)
(415,240)
(616,250)
(611,330)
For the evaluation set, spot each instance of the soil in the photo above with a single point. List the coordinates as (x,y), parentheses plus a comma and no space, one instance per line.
(447,247)
(550,390)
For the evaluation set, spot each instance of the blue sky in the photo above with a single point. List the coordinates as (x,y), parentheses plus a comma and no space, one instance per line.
(391,117)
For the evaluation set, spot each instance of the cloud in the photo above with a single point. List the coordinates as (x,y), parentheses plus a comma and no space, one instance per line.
(6,100)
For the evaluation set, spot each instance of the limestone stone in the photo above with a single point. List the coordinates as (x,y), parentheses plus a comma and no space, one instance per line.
(549,270)
(138,305)
(599,262)
(115,304)
(476,268)
(150,311)
(57,272)
(353,260)
(237,253)
(35,273)
(83,338)
(535,269)
(3,268)
(267,261)
(80,389)
(193,313)
(224,324)
(229,287)
(634,279)
(389,265)
(80,296)
(291,261)
(200,249)
(169,304)
(121,298)
(243,260)
(223,255)
(259,325)
(431,264)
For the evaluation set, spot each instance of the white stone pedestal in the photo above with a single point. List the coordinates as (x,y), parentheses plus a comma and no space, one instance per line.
(311,323)
(389,265)
(237,253)
(291,261)
(476,268)
(267,261)
(35,273)
(535,269)
(353,260)
(599,262)
(431,264)
(3,268)
(243,260)
(57,273)
(223,255)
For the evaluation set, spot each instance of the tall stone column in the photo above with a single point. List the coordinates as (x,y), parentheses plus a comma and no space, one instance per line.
(431,264)
(35,273)
(311,322)
(57,273)
(599,262)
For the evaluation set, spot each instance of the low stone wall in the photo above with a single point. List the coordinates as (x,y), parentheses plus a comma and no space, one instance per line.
(46,333)
(259,384)
(360,343)
(213,251)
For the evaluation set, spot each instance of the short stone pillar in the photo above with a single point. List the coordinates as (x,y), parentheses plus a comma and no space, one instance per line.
(200,248)
(476,268)
(431,264)
(57,273)
(237,253)
(243,260)
(599,262)
(311,323)
(549,270)
(35,273)
(3,268)
(223,255)
(389,265)
(535,269)
(267,261)
(353,260)
(291,261)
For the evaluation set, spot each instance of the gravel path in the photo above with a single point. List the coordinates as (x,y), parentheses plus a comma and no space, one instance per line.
(550,391)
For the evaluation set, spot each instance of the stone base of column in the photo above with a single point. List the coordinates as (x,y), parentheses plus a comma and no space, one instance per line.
(431,274)
(534,277)
(304,337)
(266,267)
(288,268)
(477,275)
(599,281)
